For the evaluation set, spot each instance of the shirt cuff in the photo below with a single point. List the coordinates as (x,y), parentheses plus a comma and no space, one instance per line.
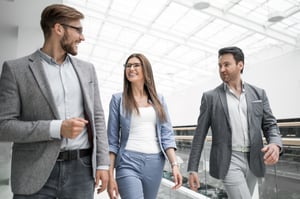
(103,167)
(55,126)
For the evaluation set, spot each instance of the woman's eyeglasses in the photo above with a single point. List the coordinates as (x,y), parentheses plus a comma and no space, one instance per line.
(129,65)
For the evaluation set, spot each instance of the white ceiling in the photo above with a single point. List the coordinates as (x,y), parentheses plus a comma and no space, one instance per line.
(180,42)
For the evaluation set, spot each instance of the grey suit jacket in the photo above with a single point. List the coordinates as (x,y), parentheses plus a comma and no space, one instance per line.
(214,114)
(26,110)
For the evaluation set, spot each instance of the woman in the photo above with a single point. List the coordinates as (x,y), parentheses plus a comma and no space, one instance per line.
(140,135)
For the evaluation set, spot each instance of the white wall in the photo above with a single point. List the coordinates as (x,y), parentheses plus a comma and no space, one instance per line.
(8,41)
(279,76)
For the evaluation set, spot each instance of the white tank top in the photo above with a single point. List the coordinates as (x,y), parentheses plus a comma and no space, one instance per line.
(142,133)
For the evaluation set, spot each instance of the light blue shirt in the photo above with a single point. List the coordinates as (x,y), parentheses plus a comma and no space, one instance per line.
(68,99)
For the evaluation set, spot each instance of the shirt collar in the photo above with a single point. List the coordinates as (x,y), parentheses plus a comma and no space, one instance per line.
(226,87)
(50,60)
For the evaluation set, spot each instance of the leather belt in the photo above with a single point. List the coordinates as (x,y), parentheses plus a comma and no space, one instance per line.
(243,149)
(73,154)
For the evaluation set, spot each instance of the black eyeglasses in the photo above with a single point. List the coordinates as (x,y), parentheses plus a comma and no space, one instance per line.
(78,29)
(129,65)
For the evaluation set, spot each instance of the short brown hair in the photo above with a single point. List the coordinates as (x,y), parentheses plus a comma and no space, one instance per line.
(57,13)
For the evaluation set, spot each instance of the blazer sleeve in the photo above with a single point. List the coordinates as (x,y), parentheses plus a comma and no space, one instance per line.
(101,133)
(201,131)
(22,120)
(166,128)
(113,127)
(269,124)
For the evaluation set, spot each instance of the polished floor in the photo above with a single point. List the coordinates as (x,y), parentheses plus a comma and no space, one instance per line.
(280,182)
(165,191)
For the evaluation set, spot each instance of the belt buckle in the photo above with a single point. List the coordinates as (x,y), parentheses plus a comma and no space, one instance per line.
(68,155)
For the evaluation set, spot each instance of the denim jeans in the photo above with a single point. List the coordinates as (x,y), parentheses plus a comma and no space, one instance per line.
(139,175)
(68,180)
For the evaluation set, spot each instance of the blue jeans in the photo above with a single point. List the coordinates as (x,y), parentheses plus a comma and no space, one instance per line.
(139,175)
(68,180)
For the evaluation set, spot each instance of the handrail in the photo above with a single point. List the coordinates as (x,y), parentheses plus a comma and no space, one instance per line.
(280,124)
(285,141)
(288,124)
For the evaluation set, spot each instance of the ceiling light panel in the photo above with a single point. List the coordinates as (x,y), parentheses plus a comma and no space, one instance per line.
(162,46)
(257,15)
(128,37)
(170,16)
(178,52)
(146,11)
(211,29)
(279,5)
(221,4)
(188,23)
(123,8)
(192,57)
(146,41)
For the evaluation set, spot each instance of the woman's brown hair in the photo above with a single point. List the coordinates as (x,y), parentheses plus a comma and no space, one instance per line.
(129,102)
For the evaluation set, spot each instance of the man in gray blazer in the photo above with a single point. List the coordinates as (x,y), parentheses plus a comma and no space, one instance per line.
(238,114)
(50,109)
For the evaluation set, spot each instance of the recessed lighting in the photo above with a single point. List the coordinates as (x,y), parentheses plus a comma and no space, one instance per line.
(275,17)
(200,5)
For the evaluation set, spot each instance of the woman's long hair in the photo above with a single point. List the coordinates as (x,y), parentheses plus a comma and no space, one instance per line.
(129,102)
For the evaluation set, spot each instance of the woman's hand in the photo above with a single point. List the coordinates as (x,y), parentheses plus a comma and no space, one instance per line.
(112,189)
(177,177)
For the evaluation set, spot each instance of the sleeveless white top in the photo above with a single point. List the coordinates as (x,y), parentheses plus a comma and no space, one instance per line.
(142,134)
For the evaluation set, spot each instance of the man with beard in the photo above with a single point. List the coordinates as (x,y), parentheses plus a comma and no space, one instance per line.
(238,114)
(50,109)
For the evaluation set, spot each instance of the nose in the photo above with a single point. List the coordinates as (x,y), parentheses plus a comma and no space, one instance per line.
(221,68)
(131,67)
(82,38)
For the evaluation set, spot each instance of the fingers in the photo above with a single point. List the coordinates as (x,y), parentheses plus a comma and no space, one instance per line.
(100,189)
(113,194)
(112,189)
(103,176)
(177,181)
(194,182)
(271,155)
(71,128)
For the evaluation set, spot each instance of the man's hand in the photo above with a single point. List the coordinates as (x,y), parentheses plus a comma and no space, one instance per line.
(71,128)
(101,175)
(194,181)
(271,154)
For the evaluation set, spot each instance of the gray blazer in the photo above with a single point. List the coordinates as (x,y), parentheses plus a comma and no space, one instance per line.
(214,114)
(26,110)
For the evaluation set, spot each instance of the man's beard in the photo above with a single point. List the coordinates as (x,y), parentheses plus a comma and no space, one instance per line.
(67,46)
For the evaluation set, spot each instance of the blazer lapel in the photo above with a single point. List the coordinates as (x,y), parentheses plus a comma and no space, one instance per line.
(85,82)
(222,95)
(41,79)
(249,98)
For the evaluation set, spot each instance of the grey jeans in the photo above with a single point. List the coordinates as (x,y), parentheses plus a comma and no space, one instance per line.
(239,181)
(68,180)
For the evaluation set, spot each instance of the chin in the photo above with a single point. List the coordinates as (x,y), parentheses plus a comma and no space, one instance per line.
(73,53)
